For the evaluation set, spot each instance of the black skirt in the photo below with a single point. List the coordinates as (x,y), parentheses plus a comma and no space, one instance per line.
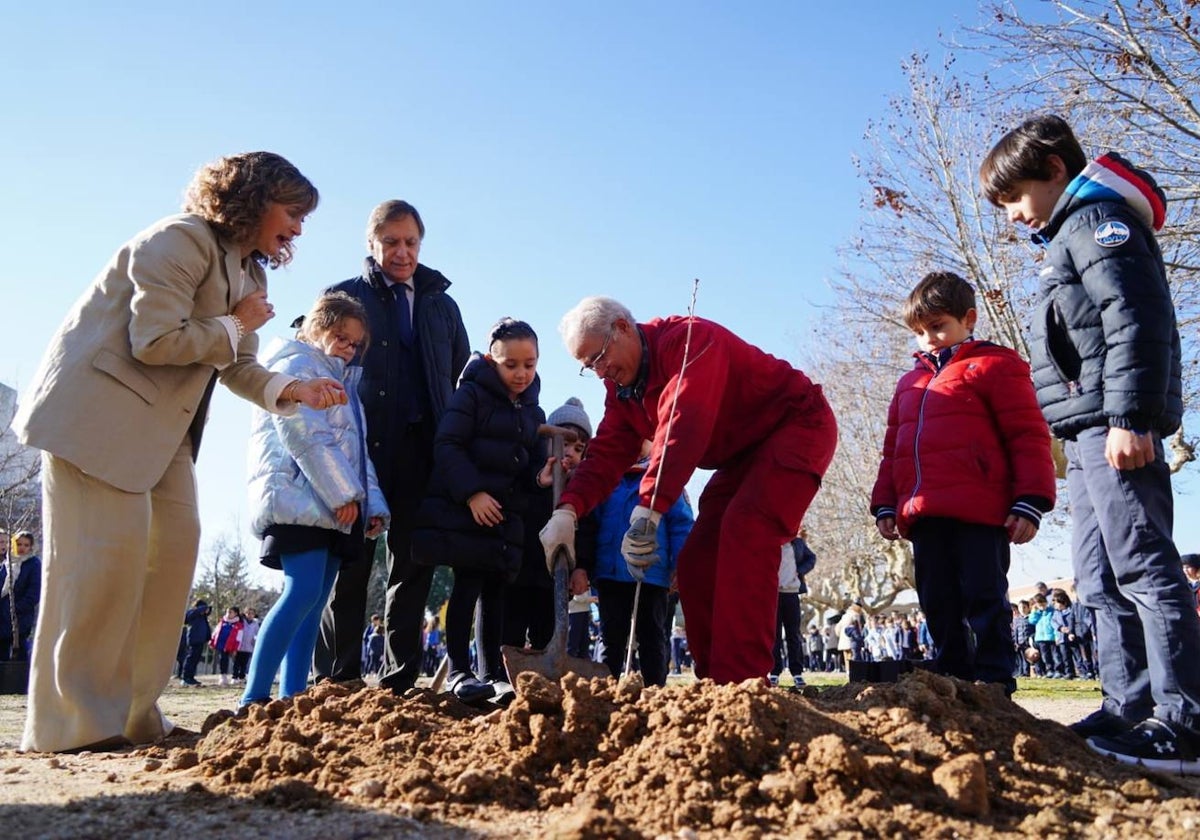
(295,539)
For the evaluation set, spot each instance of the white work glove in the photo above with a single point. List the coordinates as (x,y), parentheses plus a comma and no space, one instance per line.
(559,533)
(640,545)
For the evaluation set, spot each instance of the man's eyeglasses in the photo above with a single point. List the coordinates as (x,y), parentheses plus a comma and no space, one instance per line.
(345,342)
(591,363)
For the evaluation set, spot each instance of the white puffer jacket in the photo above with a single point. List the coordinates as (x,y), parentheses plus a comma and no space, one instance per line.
(305,466)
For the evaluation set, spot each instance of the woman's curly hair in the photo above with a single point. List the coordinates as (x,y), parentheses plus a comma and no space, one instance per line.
(232,194)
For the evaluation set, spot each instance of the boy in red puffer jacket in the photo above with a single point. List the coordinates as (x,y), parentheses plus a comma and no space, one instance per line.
(966,470)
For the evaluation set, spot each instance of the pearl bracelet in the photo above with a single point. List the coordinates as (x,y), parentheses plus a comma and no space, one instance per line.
(241,328)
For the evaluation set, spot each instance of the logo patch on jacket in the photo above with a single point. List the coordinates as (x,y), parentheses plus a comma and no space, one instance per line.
(1111,234)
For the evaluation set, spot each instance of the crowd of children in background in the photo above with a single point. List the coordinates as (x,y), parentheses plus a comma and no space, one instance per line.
(1053,637)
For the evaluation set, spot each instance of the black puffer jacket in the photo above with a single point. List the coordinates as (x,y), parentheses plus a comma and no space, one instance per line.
(485,442)
(1104,344)
(444,348)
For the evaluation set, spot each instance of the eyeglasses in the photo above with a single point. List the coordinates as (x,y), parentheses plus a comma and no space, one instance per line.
(591,363)
(345,342)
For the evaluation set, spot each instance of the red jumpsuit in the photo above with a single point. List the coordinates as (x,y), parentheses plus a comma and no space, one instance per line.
(768,433)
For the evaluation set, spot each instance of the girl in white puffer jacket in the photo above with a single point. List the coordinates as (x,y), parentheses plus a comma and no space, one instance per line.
(314,497)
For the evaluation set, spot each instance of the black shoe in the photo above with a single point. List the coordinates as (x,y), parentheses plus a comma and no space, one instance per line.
(470,689)
(1101,724)
(1156,745)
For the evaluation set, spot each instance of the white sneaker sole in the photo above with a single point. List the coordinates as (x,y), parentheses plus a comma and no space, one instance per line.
(1173,766)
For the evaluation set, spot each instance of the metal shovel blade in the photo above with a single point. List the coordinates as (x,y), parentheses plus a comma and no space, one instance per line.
(553,663)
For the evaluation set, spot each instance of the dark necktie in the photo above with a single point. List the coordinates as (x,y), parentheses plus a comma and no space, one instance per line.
(403,315)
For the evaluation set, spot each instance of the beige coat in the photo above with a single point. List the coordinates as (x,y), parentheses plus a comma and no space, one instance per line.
(128,372)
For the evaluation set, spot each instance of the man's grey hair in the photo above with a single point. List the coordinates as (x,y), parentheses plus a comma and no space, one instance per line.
(592,316)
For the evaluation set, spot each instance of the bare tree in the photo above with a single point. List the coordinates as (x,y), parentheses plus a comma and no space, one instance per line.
(224,579)
(20,468)
(854,562)
(922,211)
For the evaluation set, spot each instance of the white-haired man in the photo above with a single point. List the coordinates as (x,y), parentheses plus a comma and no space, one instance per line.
(762,425)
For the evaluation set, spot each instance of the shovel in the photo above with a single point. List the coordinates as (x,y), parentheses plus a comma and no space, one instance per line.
(554,662)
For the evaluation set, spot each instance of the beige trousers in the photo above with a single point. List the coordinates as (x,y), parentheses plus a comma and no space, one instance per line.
(117,570)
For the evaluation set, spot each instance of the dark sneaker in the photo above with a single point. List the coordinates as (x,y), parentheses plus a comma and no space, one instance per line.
(470,689)
(1101,724)
(1156,745)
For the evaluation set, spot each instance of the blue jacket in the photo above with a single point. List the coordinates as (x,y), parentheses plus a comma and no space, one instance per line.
(199,631)
(1104,345)
(305,466)
(924,637)
(1043,624)
(485,442)
(1063,624)
(444,350)
(28,590)
(612,518)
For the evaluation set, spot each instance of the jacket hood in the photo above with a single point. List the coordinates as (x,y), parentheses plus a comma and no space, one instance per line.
(481,372)
(1111,178)
(280,349)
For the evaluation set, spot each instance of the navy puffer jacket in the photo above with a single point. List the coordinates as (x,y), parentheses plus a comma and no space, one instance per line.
(1104,344)
(485,442)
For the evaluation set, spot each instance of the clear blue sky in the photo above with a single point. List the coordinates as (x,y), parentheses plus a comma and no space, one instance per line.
(555,150)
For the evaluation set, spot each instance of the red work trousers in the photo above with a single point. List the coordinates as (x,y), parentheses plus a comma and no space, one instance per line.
(728,569)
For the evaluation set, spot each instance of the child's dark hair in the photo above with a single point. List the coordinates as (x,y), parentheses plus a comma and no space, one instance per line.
(330,310)
(1024,154)
(938,293)
(507,329)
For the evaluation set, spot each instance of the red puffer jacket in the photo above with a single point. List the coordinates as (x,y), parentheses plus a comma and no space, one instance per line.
(966,442)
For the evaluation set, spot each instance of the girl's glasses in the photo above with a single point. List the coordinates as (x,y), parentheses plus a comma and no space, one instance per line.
(345,342)
(591,363)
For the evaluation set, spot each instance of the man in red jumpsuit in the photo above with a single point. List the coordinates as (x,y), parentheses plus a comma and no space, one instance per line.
(762,425)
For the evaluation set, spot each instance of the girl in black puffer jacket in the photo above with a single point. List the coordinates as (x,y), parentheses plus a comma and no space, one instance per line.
(487,455)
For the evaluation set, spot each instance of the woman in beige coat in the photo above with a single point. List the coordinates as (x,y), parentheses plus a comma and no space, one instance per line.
(118,407)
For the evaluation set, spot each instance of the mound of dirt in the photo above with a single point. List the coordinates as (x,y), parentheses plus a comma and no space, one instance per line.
(927,755)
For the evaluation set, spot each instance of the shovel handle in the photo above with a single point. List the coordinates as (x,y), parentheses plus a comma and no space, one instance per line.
(558,474)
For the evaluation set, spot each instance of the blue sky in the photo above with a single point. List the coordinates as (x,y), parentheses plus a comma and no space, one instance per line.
(555,150)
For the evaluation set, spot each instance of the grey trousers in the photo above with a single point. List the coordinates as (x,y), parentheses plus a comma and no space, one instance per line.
(1127,570)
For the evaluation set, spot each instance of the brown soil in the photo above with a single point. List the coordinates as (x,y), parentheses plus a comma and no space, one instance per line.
(926,756)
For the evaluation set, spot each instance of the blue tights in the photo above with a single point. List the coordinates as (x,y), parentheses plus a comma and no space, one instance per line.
(289,632)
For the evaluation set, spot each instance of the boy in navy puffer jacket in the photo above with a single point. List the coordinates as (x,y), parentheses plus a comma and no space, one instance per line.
(966,470)
(1106,362)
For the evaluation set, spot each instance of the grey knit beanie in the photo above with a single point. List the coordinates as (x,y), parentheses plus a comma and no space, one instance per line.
(571,413)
